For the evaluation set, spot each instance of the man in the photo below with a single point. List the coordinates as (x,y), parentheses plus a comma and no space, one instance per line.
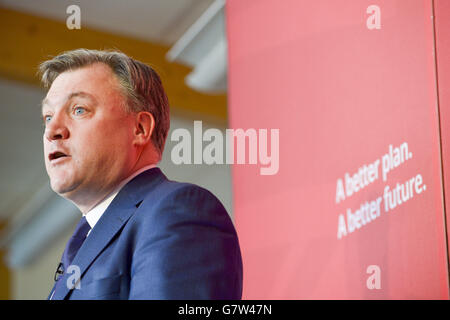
(141,236)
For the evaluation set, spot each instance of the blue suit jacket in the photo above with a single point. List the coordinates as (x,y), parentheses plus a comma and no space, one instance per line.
(159,239)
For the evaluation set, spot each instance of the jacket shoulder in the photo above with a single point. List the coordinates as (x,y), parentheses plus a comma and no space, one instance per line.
(180,200)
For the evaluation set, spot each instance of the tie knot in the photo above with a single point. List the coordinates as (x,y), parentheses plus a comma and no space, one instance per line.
(75,242)
(82,229)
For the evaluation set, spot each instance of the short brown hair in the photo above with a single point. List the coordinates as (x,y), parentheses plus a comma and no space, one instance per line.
(142,86)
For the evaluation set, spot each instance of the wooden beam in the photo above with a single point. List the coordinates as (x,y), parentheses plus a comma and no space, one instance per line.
(27,40)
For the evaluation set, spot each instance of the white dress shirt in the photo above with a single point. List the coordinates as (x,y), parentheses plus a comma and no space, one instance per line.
(95,213)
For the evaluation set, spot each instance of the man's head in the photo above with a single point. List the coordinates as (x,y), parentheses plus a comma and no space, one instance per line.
(108,114)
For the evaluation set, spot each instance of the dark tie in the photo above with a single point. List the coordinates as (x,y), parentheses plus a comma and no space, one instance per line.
(75,242)
(73,245)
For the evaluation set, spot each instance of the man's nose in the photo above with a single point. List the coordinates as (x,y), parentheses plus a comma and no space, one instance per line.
(56,129)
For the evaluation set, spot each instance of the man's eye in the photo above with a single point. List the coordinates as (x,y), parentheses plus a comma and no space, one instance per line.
(79,110)
(47,119)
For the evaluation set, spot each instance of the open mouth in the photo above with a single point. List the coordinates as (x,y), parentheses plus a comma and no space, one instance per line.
(56,155)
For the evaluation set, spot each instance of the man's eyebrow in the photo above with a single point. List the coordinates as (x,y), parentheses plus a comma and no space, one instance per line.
(81,94)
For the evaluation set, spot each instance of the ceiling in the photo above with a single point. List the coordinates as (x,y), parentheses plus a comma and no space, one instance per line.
(162,21)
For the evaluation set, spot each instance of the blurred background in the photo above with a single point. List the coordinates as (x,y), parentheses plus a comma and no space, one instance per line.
(184,40)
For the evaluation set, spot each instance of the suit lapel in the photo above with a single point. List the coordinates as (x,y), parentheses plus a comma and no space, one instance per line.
(115,216)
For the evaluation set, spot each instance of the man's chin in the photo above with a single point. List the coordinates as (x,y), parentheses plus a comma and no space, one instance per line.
(63,189)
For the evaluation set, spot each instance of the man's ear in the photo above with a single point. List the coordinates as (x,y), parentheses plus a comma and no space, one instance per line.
(143,129)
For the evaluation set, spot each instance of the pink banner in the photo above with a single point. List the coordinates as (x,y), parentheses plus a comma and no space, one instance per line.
(356,207)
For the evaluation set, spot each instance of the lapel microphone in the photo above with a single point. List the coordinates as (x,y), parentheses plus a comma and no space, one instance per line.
(59,271)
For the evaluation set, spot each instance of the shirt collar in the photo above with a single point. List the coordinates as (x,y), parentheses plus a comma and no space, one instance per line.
(95,213)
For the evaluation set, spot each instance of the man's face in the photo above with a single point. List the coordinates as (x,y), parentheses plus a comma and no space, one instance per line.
(88,134)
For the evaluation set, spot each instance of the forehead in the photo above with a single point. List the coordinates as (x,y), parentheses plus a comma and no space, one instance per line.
(96,80)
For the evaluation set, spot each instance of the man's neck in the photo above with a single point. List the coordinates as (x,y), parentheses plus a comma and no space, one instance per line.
(87,206)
